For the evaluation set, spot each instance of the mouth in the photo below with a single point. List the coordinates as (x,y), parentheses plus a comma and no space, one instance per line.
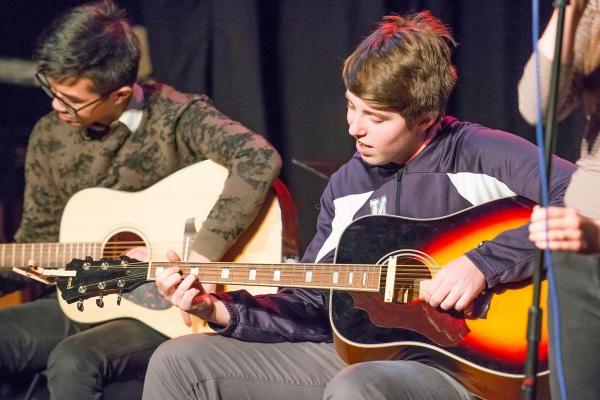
(65,117)
(68,119)
(361,145)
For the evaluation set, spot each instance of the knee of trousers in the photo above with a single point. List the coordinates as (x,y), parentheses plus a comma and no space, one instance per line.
(179,354)
(349,383)
(73,361)
(178,366)
(361,381)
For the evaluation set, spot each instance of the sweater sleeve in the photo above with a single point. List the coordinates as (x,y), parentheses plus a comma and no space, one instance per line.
(512,161)
(43,204)
(291,315)
(252,164)
(569,88)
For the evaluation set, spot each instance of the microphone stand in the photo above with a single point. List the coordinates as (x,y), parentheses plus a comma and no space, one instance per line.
(528,388)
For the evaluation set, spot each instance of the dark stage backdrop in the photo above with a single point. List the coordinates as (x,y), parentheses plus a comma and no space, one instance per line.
(275,66)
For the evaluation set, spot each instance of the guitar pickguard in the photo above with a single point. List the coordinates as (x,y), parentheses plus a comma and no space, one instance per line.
(147,296)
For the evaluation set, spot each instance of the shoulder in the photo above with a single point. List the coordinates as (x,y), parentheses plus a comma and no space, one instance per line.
(165,98)
(464,146)
(48,124)
(473,136)
(50,133)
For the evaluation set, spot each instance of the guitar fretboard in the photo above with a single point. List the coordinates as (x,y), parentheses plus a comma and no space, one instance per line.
(46,255)
(359,277)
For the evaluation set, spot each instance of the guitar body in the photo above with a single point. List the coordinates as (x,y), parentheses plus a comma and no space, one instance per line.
(165,217)
(485,351)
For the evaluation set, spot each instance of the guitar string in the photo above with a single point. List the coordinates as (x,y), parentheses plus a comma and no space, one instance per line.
(408,274)
(271,266)
(50,249)
(408,284)
(221,264)
(287,269)
(302,273)
(135,277)
(405,269)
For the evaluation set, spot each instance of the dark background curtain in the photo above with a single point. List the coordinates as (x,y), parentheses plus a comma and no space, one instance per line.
(276,65)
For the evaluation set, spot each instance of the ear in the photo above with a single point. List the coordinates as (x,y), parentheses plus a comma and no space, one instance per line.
(121,95)
(425,123)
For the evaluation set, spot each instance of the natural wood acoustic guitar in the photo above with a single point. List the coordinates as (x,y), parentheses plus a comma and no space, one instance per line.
(104,223)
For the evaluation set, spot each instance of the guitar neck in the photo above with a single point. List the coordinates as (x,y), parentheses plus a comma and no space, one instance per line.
(46,255)
(357,277)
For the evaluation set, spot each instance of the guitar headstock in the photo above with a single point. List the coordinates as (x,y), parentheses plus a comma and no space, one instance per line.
(99,278)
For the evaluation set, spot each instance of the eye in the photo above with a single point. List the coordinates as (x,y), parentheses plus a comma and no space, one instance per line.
(65,100)
(76,101)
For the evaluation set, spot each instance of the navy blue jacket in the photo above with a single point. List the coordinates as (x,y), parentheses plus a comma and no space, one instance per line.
(466,164)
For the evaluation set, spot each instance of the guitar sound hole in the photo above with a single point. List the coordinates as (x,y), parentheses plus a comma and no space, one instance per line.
(146,295)
(120,243)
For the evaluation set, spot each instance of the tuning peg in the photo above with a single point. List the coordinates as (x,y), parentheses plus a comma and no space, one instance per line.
(100,302)
(119,298)
(80,305)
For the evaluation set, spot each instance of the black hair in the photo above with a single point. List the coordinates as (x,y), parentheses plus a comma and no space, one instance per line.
(95,41)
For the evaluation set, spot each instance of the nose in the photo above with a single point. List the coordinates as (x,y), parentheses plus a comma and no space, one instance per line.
(58,105)
(355,127)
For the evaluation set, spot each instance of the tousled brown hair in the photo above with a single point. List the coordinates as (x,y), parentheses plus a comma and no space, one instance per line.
(404,66)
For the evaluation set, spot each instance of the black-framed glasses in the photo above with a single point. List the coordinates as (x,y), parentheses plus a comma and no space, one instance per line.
(72,111)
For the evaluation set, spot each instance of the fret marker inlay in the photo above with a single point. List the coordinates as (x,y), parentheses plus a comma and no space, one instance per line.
(309,276)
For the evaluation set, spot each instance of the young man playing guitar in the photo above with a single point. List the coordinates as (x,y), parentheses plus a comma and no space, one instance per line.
(410,160)
(106,130)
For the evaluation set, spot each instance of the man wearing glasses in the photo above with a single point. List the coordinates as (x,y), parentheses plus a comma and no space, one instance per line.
(106,130)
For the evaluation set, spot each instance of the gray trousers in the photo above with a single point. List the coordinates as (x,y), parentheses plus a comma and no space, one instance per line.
(215,367)
(80,360)
(578,283)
